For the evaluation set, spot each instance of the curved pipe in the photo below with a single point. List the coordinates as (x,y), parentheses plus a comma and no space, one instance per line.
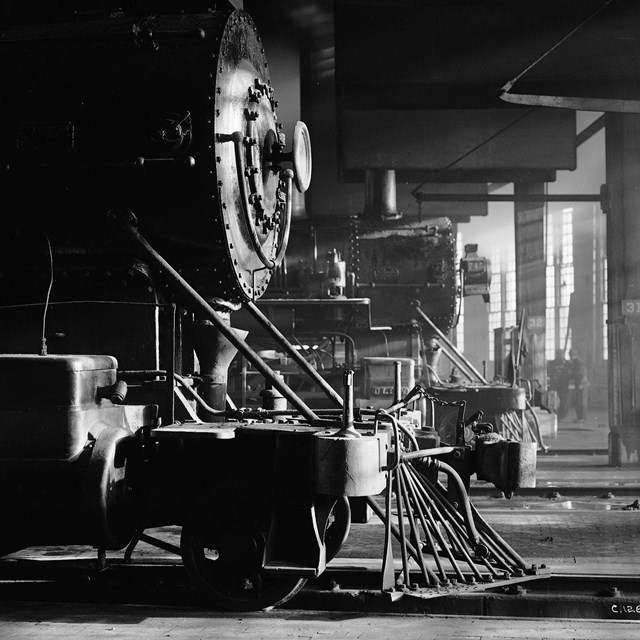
(194,396)
(480,549)
(418,454)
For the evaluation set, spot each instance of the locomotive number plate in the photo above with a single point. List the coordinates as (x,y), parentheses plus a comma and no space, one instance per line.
(387,391)
(387,276)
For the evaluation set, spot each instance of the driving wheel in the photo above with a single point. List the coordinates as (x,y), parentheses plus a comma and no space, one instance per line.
(222,549)
(337,527)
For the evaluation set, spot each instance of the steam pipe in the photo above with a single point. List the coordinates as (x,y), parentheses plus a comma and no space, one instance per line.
(424,453)
(467,516)
(200,304)
(375,507)
(196,397)
(466,505)
(493,535)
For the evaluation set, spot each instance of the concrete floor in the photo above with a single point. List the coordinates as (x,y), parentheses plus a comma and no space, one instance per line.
(97,622)
(586,531)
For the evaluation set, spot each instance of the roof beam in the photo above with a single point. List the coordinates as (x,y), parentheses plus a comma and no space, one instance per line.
(445,176)
(509,197)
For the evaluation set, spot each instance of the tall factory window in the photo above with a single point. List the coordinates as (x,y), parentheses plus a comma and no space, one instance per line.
(566,277)
(601,345)
(605,311)
(495,304)
(550,338)
(510,319)
(459,329)
(460,326)
(560,280)
(502,306)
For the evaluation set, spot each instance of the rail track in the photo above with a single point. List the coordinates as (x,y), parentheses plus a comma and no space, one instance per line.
(342,588)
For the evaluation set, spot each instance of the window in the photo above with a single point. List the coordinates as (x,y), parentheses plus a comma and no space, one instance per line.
(459,330)
(560,280)
(502,309)
(550,338)
(605,312)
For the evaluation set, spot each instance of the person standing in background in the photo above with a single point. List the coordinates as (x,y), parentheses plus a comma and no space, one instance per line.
(579,379)
(558,372)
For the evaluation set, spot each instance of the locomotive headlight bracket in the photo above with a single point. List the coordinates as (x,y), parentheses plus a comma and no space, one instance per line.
(300,156)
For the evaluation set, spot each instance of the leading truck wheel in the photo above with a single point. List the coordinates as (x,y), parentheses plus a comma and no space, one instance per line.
(222,548)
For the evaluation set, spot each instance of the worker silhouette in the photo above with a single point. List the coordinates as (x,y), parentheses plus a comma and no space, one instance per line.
(559,375)
(579,381)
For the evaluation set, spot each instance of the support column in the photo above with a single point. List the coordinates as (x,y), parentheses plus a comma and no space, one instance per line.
(623,262)
(531,278)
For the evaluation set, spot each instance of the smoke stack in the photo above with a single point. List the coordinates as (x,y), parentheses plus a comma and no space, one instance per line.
(380,195)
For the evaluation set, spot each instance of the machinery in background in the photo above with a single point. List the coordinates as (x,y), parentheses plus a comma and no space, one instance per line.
(475,273)
(396,262)
(394,297)
(505,403)
(354,303)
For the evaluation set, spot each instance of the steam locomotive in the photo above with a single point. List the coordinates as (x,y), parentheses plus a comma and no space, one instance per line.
(146,196)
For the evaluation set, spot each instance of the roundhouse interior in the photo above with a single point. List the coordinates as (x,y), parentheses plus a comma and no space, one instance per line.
(274,274)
